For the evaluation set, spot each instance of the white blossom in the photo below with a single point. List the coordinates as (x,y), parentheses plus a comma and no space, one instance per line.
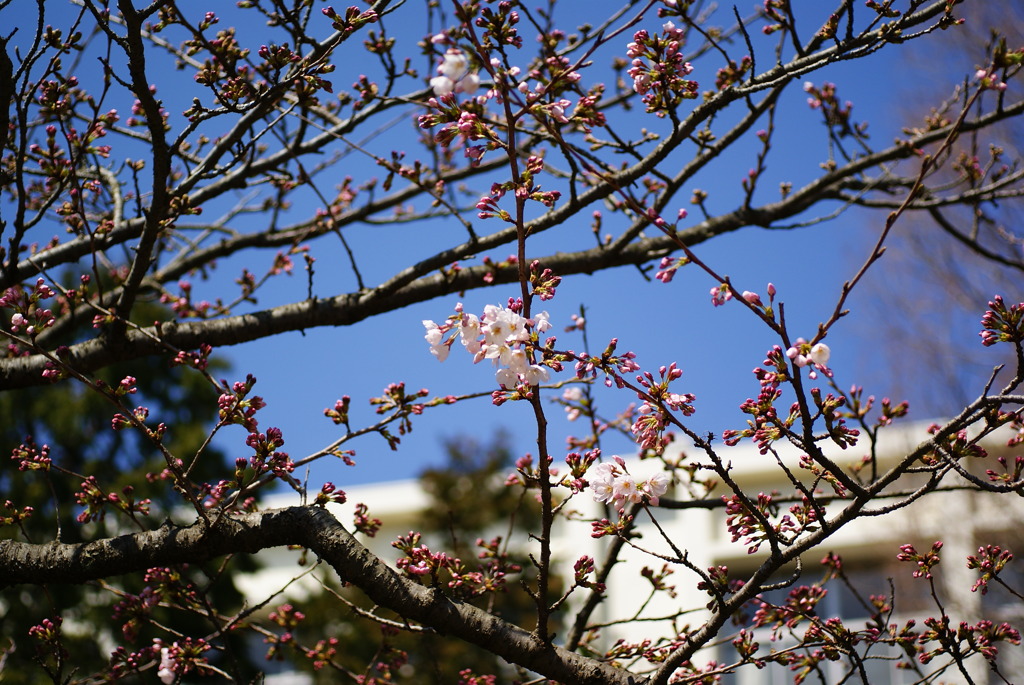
(166,672)
(820,354)
(442,85)
(453,75)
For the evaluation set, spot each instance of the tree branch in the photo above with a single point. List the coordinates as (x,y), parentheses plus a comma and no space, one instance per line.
(318,530)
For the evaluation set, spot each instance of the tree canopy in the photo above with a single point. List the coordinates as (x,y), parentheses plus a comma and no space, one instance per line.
(166,168)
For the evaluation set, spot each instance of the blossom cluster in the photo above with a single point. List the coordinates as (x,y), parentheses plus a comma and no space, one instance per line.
(572,398)
(489,576)
(609,363)
(980,638)
(183,306)
(31,457)
(96,501)
(500,334)
(752,520)
(837,115)
(1002,323)
(289,618)
(652,418)
(669,265)
(720,294)
(28,313)
(236,407)
(925,562)
(182,658)
(454,76)
(990,562)
(816,356)
(658,69)
(612,483)
(989,80)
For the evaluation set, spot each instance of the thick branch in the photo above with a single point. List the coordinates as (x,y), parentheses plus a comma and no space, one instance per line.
(341,310)
(160,161)
(318,530)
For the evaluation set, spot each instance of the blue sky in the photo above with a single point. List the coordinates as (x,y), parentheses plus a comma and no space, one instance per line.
(717,348)
(301,374)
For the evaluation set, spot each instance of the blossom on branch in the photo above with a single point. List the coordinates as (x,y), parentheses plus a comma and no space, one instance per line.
(166,671)
(612,484)
(502,335)
(720,294)
(454,75)
(659,71)
(804,354)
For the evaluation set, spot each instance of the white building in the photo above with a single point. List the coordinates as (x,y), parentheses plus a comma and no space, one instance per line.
(963,520)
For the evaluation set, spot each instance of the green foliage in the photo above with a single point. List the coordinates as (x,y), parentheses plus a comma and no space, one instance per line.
(74,422)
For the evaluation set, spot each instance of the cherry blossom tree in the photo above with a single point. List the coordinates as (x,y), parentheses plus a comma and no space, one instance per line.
(152,150)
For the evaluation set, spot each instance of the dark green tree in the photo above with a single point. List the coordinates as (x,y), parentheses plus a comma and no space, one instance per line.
(71,424)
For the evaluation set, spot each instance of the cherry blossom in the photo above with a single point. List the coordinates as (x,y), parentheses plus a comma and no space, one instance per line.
(820,354)
(501,335)
(612,484)
(166,672)
(720,294)
(661,80)
(654,487)
(435,337)
(454,75)
(571,397)
(602,479)
(804,354)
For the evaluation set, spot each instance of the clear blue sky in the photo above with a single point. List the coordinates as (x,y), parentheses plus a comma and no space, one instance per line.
(717,348)
(301,374)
